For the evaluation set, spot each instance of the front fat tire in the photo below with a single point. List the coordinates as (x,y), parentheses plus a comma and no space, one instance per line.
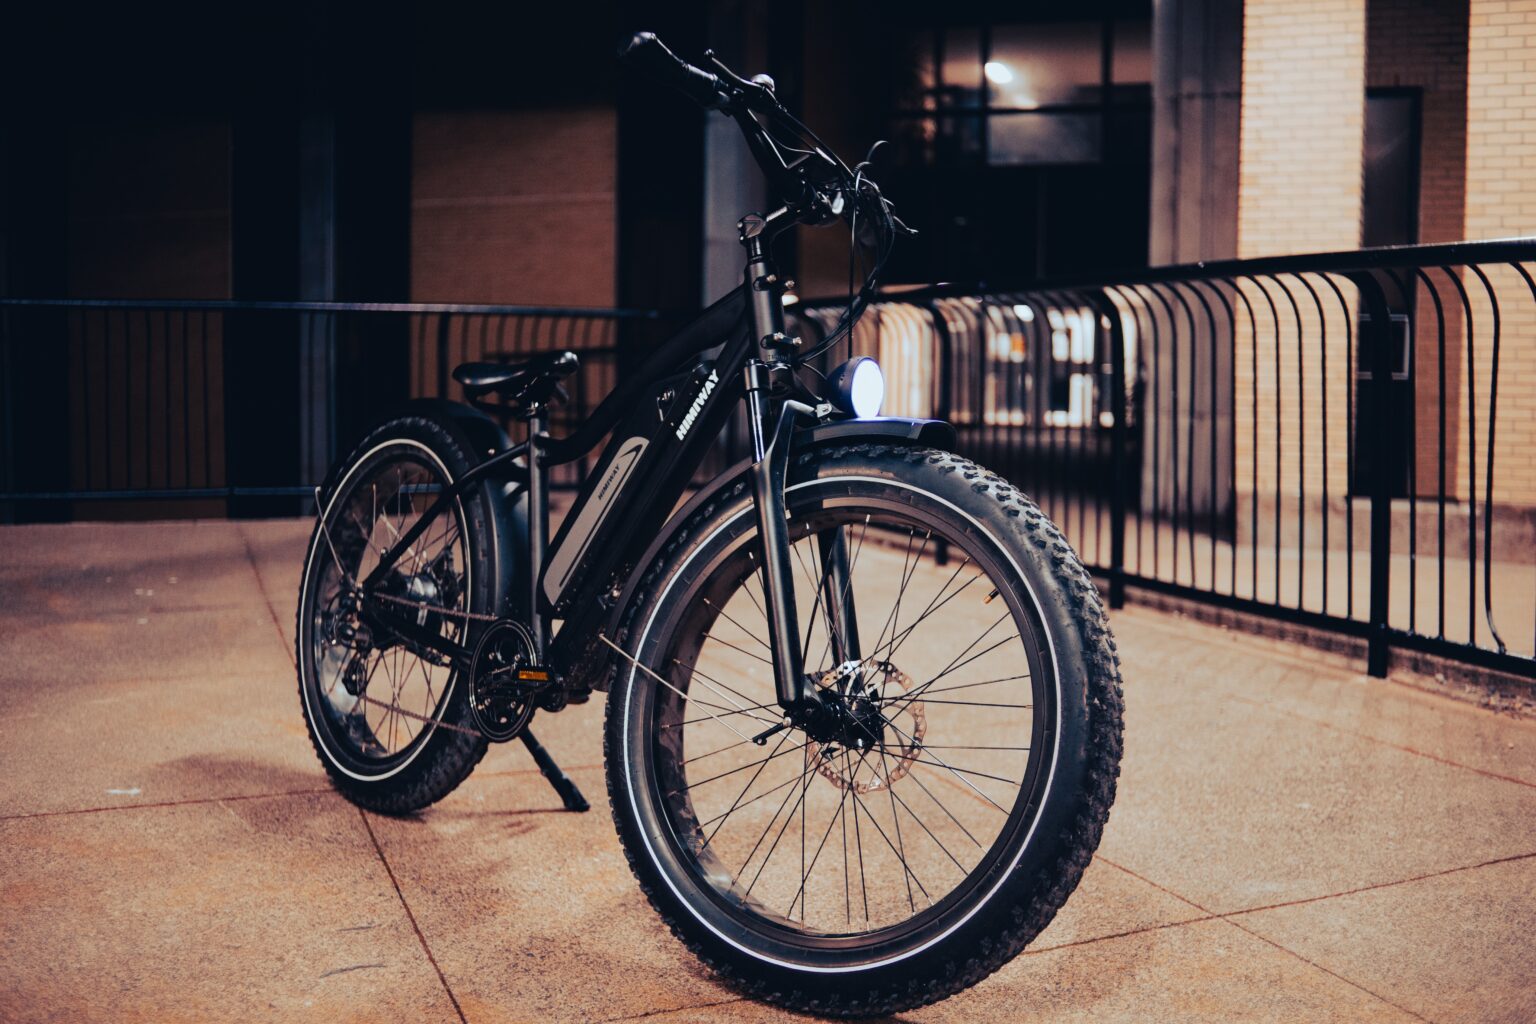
(449,755)
(1075,805)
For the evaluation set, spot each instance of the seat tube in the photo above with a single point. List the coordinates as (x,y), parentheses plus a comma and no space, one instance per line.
(538,523)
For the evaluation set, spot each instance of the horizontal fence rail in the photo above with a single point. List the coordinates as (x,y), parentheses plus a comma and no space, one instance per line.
(113,402)
(1346,441)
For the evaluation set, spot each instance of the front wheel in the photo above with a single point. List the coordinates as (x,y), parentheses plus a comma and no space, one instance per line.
(915,854)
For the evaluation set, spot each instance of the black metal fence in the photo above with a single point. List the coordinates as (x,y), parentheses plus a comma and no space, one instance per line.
(1347,441)
(145,407)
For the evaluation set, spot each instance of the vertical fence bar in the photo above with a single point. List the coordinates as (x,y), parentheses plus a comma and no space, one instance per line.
(1117,454)
(1378,332)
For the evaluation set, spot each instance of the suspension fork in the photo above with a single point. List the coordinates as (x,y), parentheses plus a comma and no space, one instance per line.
(770,467)
(836,595)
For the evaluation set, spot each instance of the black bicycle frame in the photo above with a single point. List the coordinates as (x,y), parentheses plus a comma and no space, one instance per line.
(663,421)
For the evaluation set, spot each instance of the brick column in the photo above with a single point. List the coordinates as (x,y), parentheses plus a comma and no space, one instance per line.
(1302,126)
(1501,202)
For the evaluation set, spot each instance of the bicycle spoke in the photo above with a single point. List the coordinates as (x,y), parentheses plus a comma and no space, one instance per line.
(737,802)
(921,785)
(940,763)
(805,872)
(933,608)
(896,823)
(923,825)
(727,643)
(768,828)
(738,625)
(740,768)
(716,682)
(987,682)
(705,718)
(905,867)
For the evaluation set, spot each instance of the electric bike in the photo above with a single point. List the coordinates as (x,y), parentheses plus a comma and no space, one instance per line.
(863,705)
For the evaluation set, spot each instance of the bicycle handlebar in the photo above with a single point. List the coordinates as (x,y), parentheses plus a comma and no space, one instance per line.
(649,54)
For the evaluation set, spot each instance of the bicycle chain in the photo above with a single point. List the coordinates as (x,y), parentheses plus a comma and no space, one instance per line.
(424,607)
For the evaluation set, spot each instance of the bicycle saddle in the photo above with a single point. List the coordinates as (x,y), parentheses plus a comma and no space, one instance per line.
(530,382)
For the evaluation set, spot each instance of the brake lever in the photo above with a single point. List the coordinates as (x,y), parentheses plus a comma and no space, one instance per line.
(757,95)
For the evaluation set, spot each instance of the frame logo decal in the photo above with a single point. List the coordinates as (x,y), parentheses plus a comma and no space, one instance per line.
(698,404)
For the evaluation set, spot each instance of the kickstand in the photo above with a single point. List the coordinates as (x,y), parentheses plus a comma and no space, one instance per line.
(569,794)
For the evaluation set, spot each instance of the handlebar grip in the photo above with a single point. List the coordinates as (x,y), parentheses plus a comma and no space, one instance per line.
(649,54)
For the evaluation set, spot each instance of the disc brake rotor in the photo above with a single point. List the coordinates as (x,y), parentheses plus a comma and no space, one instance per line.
(881,684)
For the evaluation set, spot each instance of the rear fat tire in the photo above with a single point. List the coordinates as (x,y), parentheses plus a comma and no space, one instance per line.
(448,756)
(1075,800)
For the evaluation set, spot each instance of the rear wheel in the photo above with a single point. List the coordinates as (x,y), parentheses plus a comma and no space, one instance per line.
(389,716)
(912,856)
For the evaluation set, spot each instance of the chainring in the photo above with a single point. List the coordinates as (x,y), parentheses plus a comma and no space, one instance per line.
(499,708)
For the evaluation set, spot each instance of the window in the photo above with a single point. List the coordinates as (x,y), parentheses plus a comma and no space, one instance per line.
(1024,94)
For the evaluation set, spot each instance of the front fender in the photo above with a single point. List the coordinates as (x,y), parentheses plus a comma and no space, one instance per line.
(892,430)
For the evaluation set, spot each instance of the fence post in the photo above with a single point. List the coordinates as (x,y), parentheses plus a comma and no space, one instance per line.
(1114,331)
(1377,335)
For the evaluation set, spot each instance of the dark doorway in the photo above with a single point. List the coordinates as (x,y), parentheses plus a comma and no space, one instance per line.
(1389,216)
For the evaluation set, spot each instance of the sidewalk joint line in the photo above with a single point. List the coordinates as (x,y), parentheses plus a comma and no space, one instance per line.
(189,802)
(1325,970)
(673,1009)
(1382,885)
(1227,919)
(261,587)
(1208,915)
(368,827)
(1265,706)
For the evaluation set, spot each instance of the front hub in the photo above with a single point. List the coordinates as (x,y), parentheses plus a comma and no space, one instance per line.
(867,736)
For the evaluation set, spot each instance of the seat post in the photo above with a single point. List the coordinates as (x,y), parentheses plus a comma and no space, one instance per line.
(538,520)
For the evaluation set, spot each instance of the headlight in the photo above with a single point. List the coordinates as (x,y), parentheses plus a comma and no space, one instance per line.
(857,387)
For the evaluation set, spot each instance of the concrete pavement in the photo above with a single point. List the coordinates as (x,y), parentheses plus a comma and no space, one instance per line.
(1292,841)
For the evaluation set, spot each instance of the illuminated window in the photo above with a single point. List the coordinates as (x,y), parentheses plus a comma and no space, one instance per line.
(1011,95)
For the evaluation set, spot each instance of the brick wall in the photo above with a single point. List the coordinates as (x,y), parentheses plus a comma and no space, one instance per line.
(1422,44)
(1302,118)
(1501,202)
(1299,191)
(514,206)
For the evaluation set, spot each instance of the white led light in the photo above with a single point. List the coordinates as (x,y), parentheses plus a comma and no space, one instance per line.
(857,387)
(867,389)
(997,72)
